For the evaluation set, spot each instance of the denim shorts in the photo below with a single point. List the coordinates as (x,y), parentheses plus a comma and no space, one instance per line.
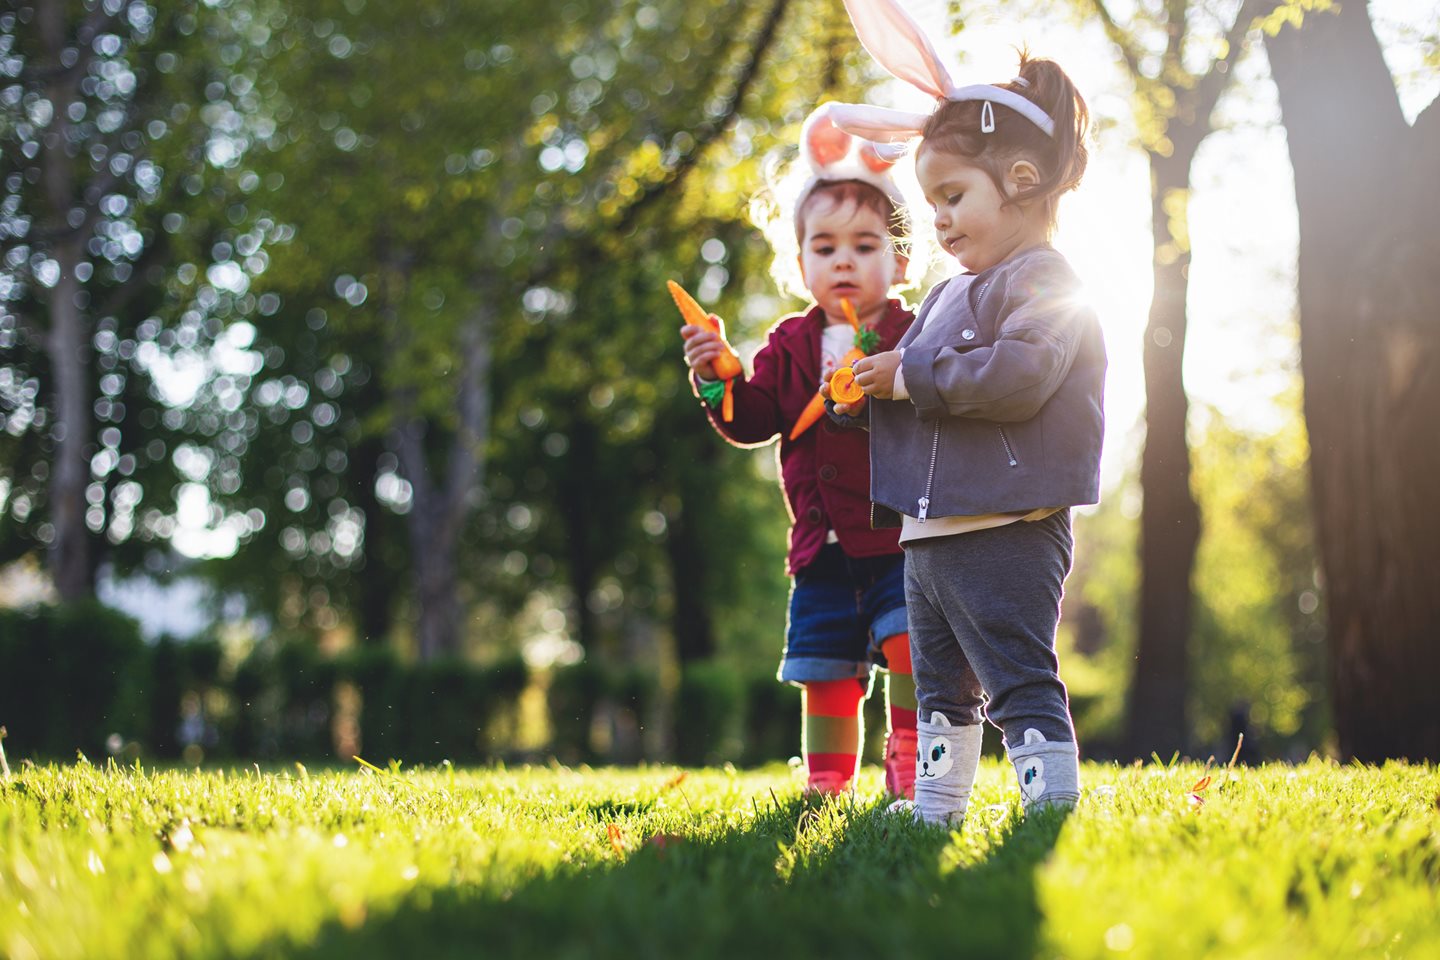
(841,609)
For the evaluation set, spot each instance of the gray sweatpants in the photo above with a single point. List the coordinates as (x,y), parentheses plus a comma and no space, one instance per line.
(983,607)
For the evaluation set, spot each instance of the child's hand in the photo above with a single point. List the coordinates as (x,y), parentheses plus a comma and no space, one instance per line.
(876,374)
(703,348)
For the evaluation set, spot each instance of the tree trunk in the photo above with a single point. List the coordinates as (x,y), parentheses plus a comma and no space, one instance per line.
(69,350)
(579,516)
(68,343)
(439,511)
(1170,522)
(375,601)
(692,620)
(437,615)
(694,633)
(1369,300)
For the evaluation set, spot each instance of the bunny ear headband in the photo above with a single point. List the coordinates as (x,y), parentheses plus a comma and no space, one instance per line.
(898,44)
(833,154)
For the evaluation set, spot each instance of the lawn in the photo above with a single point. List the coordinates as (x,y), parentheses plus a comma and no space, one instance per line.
(1317,860)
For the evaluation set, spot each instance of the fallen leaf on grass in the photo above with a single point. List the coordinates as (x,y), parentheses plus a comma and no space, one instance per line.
(662,840)
(615,843)
(1197,792)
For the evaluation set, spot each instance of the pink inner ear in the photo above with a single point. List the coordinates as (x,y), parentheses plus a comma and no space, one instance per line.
(827,142)
(872,159)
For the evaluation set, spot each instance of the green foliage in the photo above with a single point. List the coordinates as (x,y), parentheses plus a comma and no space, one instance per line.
(69,678)
(1294,862)
(144,203)
(710,707)
(1257,651)
(1259,625)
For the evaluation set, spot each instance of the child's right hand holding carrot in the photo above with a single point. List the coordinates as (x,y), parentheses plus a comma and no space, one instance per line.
(703,348)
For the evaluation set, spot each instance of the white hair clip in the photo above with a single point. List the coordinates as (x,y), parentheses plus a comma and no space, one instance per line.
(899,45)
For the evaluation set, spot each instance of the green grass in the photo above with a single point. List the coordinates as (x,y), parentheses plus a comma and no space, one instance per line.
(1311,861)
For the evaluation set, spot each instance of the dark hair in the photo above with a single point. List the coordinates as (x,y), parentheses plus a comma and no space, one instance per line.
(954,128)
(864,195)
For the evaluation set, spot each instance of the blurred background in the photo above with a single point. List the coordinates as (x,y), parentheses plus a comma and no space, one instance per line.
(342,408)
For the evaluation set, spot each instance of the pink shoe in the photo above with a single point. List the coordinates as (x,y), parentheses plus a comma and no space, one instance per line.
(828,782)
(900,763)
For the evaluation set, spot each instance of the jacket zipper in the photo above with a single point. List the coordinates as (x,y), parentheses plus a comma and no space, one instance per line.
(935,442)
(934,454)
(1004,440)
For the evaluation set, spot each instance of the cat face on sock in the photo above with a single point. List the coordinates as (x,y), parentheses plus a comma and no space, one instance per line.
(1032,779)
(1031,770)
(933,759)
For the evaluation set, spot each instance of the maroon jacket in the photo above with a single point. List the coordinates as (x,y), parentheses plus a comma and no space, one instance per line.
(825,472)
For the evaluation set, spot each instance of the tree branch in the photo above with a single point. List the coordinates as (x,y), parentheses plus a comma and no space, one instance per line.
(587,242)
(1176,26)
(1121,38)
(1212,85)
(712,127)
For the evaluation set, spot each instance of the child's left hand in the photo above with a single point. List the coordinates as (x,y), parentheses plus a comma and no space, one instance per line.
(876,374)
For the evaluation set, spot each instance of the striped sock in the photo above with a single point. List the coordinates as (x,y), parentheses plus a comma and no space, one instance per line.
(900,683)
(832,734)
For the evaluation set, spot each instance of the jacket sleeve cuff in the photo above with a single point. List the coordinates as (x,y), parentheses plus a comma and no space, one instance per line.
(918,367)
(898,391)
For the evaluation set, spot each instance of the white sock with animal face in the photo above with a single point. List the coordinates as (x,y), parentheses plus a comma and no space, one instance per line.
(946,760)
(1048,771)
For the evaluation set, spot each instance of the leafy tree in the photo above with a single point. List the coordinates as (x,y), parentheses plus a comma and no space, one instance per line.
(1369,296)
(435,208)
(1179,57)
(120,233)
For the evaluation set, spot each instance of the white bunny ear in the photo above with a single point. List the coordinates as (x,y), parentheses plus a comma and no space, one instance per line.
(877,124)
(939,719)
(879,158)
(899,45)
(822,143)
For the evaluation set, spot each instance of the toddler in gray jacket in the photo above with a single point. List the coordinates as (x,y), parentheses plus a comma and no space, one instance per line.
(986,425)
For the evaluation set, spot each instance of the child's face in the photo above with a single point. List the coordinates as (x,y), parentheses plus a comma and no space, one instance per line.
(846,253)
(971,223)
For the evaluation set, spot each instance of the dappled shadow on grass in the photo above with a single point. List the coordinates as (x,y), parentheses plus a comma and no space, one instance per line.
(833,880)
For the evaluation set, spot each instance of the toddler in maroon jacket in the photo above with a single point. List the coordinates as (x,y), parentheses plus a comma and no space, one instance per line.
(847,599)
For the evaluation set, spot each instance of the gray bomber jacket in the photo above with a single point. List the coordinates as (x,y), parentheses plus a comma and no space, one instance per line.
(1006,408)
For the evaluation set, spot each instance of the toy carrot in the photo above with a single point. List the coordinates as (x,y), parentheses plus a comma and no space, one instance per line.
(844,389)
(865,340)
(727,365)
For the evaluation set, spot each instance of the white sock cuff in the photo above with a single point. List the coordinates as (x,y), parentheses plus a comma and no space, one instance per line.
(1048,771)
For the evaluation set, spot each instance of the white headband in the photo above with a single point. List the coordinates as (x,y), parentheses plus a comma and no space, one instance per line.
(899,45)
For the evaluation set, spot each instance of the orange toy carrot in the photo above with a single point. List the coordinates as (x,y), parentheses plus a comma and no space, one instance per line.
(727,365)
(843,388)
(815,409)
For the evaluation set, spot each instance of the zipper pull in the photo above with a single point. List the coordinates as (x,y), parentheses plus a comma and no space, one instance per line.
(924,509)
